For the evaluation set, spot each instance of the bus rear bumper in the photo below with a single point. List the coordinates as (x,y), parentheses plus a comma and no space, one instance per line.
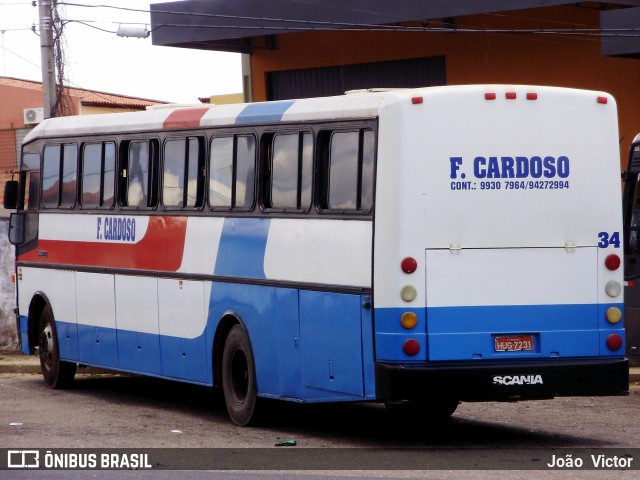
(514,381)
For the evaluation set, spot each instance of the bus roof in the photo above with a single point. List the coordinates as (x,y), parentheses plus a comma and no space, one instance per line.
(352,105)
(180,117)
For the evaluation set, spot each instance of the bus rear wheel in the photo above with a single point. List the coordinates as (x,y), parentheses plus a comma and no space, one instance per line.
(56,373)
(239,377)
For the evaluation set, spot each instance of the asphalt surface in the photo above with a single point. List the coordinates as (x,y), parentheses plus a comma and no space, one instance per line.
(155,415)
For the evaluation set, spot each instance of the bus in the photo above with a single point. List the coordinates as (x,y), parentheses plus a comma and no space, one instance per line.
(631,220)
(413,247)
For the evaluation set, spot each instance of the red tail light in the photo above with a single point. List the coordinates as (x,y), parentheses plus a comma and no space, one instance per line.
(612,262)
(614,342)
(409,265)
(411,347)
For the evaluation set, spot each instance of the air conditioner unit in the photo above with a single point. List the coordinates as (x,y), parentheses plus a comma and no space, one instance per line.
(33,116)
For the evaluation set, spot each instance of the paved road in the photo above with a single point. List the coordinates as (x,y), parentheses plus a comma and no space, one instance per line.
(105,411)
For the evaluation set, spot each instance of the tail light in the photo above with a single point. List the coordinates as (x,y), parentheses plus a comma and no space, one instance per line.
(614,315)
(614,342)
(612,262)
(409,265)
(409,320)
(411,347)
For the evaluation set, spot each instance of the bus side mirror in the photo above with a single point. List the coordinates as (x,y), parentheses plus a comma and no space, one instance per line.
(16,228)
(11,188)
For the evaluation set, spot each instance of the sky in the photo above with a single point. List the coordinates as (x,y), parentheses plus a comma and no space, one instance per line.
(103,61)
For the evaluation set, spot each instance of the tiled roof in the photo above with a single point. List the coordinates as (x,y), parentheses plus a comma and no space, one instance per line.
(87,97)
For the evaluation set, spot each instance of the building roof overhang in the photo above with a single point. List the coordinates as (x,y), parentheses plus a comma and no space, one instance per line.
(620,33)
(230,25)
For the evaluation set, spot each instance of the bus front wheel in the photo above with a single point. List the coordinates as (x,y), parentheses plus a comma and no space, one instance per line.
(56,373)
(239,377)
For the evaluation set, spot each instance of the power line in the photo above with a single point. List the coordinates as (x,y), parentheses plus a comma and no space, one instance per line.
(20,57)
(5,30)
(87,23)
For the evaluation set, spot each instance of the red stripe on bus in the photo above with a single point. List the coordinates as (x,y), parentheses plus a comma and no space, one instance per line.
(161,249)
(185,118)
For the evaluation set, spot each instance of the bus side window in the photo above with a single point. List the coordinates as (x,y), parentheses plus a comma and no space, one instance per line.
(348,171)
(108,175)
(245,169)
(51,176)
(139,174)
(59,176)
(182,175)
(232,172)
(31,166)
(290,161)
(97,177)
(69,175)
(368,149)
(221,172)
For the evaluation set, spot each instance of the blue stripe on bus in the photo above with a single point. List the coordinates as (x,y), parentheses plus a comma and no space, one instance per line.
(467,333)
(242,248)
(305,361)
(151,354)
(24,335)
(512,318)
(263,112)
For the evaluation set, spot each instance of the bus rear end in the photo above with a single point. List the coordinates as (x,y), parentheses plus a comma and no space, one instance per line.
(497,264)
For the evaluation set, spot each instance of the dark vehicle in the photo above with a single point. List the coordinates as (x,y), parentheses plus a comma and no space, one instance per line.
(631,213)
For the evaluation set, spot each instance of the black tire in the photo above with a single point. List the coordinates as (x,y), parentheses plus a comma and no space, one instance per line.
(239,377)
(56,373)
(424,411)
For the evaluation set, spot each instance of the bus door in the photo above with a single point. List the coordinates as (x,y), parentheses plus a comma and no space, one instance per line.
(631,216)
(331,330)
(498,303)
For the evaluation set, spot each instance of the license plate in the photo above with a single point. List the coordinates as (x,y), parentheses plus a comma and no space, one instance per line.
(514,343)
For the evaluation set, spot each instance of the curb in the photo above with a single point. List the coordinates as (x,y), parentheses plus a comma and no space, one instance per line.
(16,362)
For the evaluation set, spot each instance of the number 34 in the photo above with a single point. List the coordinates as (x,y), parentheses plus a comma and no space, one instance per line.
(609,239)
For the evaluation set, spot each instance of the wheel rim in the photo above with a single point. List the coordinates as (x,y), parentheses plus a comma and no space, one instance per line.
(239,376)
(46,347)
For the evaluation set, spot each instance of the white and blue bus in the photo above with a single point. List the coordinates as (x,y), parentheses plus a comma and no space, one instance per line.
(413,247)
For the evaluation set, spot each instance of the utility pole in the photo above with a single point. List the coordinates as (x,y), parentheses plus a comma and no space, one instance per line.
(49,98)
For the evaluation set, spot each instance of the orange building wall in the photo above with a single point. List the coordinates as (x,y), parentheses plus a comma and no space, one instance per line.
(567,61)
(13,101)
(8,156)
